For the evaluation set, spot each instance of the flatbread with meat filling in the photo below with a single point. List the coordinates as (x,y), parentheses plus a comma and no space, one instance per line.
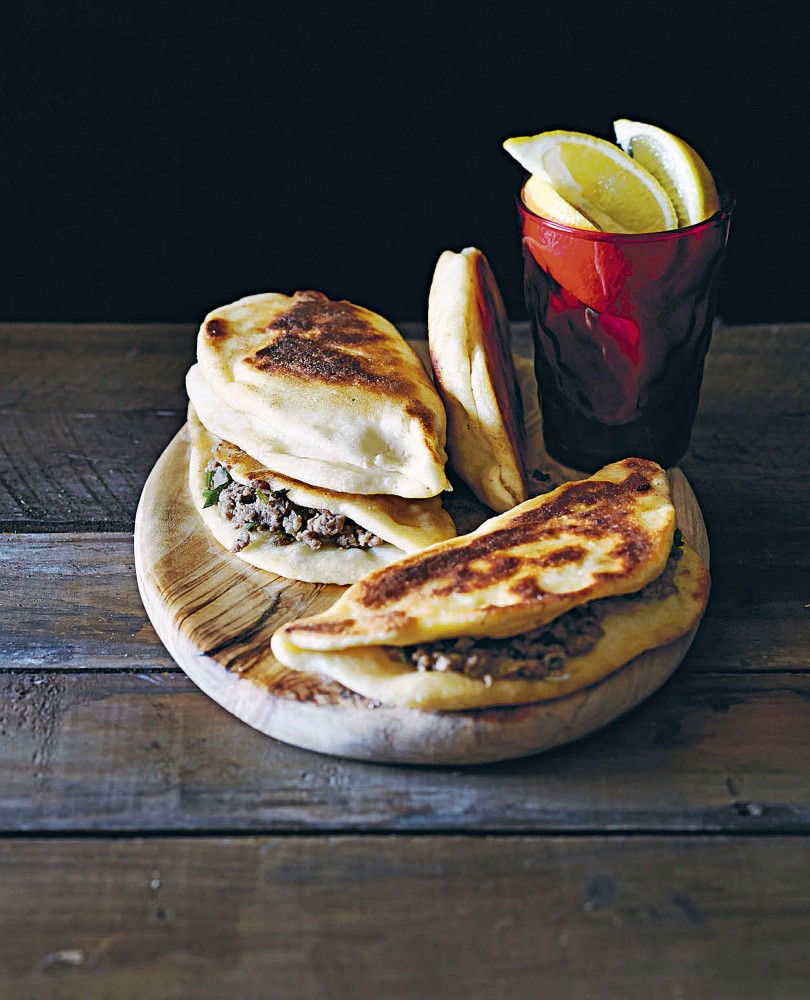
(299,531)
(547,599)
(324,392)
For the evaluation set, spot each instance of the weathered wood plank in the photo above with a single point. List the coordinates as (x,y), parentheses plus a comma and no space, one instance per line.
(128,752)
(78,471)
(86,409)
(71,601)
(94,367)
(749,459)
(450,917)
(758,618)
(126,366)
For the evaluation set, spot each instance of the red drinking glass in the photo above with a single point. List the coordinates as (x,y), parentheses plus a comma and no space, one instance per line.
(621,326)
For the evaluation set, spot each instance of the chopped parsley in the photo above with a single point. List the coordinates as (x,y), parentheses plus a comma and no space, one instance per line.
(215,482)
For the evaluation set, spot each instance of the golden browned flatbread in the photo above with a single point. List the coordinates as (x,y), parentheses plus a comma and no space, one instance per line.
(583,544)
(405,526)
(602,536)
(325,392)
(470,350)
(629,628)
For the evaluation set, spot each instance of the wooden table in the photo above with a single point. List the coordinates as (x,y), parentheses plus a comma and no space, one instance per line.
(154,846)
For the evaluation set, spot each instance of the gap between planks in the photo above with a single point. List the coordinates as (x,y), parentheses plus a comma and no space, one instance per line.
(381,834)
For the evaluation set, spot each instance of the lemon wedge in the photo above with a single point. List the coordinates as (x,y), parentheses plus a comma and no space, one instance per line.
(675,165)
(598,179)
(541,198)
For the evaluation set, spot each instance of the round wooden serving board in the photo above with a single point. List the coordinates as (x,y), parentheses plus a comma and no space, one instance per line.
(215,614)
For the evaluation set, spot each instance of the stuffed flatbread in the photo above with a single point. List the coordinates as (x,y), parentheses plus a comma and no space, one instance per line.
(547,599)
(299,531)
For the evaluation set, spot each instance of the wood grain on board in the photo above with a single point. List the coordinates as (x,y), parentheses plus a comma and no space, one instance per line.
(85,410)
(130,752)
(450,917)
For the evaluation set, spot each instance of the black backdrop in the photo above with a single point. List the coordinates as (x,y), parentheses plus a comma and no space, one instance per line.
(159,159)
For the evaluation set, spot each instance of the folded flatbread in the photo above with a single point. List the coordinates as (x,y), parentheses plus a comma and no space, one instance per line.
(470,350)
(539,602)
(299,531)
(325,392)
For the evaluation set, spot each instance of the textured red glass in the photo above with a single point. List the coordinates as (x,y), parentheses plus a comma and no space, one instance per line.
(621,325)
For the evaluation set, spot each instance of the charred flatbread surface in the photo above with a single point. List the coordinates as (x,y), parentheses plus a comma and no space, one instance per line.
(542,651)
(326,392)
(331,342)
(607,535)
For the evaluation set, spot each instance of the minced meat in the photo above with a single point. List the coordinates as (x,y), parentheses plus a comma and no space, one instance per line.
(530,654)
(258,508)
(542,651)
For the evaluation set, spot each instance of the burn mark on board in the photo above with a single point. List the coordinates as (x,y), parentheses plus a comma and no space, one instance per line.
(244,635)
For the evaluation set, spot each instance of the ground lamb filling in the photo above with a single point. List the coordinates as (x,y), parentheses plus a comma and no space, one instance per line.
(257,508)
(543,651)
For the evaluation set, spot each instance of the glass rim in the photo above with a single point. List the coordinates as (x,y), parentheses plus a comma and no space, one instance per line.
(727,203)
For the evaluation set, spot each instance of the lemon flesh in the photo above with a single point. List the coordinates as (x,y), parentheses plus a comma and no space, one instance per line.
(675,165)
(541,198)
(613,190)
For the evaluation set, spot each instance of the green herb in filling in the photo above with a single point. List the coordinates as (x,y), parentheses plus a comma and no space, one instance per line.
(215,482)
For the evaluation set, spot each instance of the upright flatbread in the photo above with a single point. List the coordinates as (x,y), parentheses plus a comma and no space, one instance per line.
(405,526)
(325,392)
(470,350)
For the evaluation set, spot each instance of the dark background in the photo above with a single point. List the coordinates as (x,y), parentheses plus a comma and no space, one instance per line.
(157,160)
